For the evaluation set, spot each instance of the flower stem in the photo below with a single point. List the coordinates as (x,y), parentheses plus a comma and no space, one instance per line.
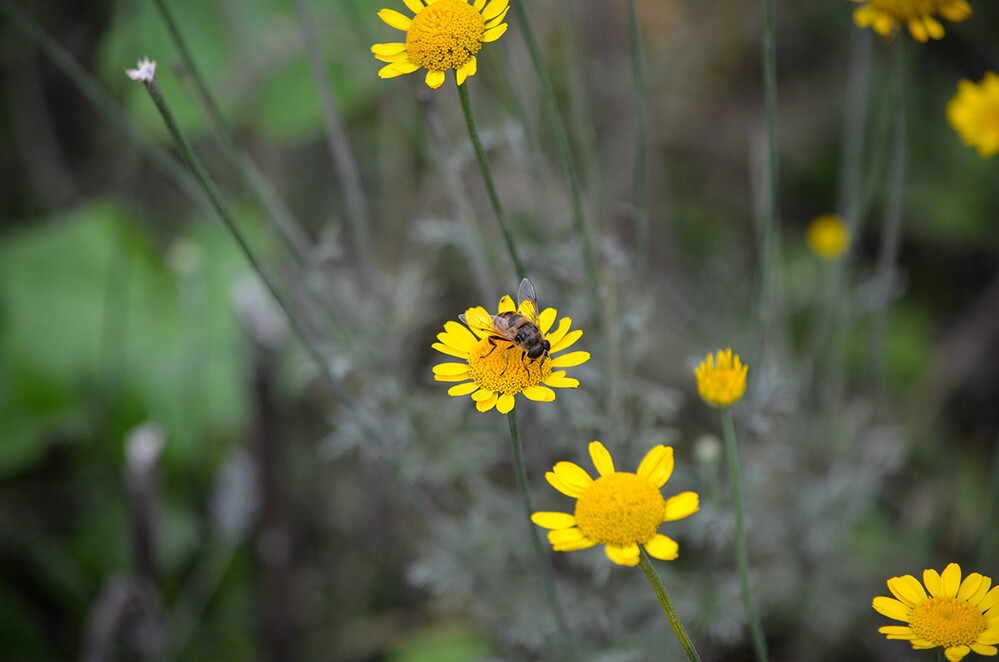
(638,83)
(487,175)
(557,128)
(759,641)
(671,616)
(546,567)
(304,334)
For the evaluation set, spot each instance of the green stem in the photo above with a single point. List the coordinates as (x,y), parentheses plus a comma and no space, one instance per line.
(287,226)
(671,615)
(480,154)
(304,334)
(759,641)
(638,81)
(539,549)
(768,217)
(557,128)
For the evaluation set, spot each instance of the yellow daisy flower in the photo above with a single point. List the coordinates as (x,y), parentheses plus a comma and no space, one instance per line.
(619,510)
(443,34)
(960,616)
(494,368)
(828,236)
(721,381)
(918,15)
(974,114)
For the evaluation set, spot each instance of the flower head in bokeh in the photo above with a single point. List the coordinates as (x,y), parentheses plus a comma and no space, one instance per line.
(493,368)
(721,379)
(974,114)
(618,510)
(885,16)
(828,236)
(960,616)
(443,34)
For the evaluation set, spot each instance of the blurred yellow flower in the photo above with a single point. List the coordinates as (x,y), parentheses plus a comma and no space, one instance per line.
(619,510)
(960,616)
(721,381)
(828,236)
(443,34)
(493,369)
(974,114)
(918,15)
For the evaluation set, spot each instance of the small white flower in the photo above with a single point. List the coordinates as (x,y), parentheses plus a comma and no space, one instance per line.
(146,71)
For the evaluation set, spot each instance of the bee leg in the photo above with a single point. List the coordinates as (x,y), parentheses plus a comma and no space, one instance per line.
(492,341)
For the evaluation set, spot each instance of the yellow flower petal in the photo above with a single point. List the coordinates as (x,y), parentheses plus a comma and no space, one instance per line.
(395,19)
(389,52)
(466,70)
(560,331)
(897,632)
(559,380)
(458,336)
(601,458)
(483,394)
(539,393)
(505,403)
(435,79)
(956,653)
(550,520)
(496,21)
(931,578)
(572,475)
(562,536)
(976,598)
(969,586)
(990,600)
(487,404)
(891,608)
(450,368)
(585,543)
(567,341)
(444,349)
(415,6)
(546,319)
(657,465)
(682,505)
(570,359)
(907,589)
(506,304)
(492,34)
(626,555)
(568,490)
(479,4)
(390,71)
(463,389)
(662,547)
(950,580)
(982,649)
(494,9)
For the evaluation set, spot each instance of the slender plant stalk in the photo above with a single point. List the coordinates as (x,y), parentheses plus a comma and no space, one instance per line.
(546,567)
(288,228)
(671,615)
(555,125)
(339,146)
(101,99)
(768,238)
(487,175)
(641,128)
(891,232)
(303,332)
(759,641)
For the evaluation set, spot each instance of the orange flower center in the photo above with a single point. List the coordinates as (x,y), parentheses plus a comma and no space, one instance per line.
(620,509)
(947,622)
(445,35)
(501,366)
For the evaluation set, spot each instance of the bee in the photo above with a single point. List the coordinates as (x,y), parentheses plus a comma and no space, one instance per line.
(520,329)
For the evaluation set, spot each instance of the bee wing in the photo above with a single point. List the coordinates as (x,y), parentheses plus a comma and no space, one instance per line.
(486,323)
(527,300)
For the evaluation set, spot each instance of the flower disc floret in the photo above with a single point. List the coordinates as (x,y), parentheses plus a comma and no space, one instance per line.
(492,370)
(619,510)
(443,34)
(958,616)
(884,16)
(974,114)
(721,379)
(828,236)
